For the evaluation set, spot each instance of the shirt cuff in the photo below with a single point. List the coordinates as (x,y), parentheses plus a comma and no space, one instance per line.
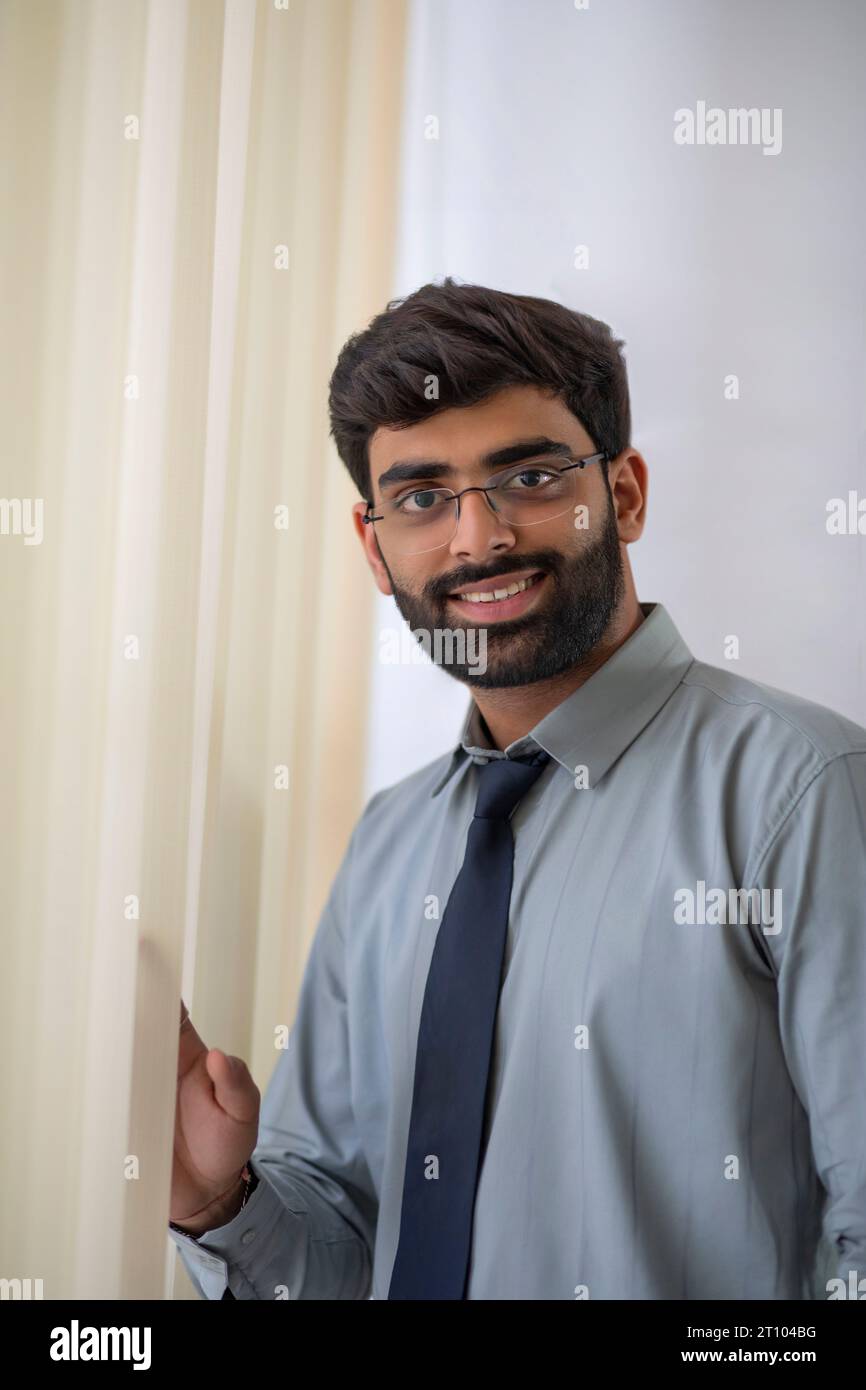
(222,1257)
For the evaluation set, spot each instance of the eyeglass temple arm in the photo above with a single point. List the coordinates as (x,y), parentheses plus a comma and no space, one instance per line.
(590,458)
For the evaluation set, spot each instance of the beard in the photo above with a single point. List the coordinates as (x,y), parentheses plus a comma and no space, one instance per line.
(584,591)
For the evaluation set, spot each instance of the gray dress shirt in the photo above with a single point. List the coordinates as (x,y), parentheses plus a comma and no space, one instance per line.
(677,1100)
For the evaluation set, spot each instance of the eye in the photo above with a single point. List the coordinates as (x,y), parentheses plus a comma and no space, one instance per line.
(529,479)
(428,500)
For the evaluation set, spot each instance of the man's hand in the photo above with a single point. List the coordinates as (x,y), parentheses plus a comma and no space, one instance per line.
(215,1130)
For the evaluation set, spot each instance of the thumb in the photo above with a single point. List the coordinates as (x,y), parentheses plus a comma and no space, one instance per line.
(234,1089)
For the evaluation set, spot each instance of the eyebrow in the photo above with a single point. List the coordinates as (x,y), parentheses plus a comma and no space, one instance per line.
(408,470)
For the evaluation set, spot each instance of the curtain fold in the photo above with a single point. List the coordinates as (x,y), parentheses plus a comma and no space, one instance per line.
(199,202)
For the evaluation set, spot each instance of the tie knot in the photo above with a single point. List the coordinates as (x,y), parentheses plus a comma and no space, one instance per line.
(502,783)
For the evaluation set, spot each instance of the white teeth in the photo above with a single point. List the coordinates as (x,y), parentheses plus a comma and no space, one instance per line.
(492,595)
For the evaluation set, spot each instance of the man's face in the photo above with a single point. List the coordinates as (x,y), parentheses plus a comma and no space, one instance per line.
(572,562)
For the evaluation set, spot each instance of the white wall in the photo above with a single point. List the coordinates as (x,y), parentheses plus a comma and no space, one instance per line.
(556,129)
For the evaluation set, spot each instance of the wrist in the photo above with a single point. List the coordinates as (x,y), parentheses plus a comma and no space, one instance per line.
(222,1209)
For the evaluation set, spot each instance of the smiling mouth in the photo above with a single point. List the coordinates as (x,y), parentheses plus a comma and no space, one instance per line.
(498,598)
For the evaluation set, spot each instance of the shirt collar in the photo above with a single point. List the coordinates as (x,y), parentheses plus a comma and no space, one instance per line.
(598,721)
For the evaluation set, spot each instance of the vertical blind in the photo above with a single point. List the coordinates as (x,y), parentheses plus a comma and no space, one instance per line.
(198,208)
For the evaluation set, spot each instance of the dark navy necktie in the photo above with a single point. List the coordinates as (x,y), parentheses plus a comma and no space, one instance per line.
(455,1042)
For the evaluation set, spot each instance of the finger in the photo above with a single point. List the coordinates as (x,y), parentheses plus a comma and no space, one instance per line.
(234,1089)
(191,1045)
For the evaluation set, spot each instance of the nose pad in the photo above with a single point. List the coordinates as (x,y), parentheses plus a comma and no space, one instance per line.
(488,504)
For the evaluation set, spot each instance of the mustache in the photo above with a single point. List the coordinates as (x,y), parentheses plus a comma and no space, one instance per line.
(544,561)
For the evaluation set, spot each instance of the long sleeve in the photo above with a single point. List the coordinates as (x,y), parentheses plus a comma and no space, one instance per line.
(816,860)
(308,1230)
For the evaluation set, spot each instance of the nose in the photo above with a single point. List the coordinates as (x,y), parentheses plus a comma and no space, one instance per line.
(481,531)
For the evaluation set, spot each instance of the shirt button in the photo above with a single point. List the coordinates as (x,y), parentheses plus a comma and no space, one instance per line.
(248,1236)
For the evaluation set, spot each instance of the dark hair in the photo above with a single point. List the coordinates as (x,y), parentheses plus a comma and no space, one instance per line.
(474,341)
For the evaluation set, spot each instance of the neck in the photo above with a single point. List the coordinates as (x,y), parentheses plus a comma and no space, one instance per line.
(511,712)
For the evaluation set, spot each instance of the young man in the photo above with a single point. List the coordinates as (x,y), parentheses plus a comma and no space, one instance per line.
(585,1014)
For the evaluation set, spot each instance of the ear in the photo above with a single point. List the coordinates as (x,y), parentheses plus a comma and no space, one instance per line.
(629,481)
(367,536)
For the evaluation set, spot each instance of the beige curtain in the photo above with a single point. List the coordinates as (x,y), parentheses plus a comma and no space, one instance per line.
(198,203)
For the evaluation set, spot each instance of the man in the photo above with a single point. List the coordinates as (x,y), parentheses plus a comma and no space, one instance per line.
(585,1014)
